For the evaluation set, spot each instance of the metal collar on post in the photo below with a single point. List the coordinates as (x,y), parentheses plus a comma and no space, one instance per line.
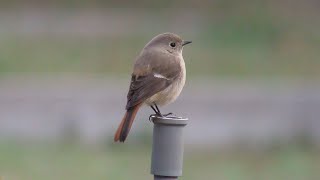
(167,147)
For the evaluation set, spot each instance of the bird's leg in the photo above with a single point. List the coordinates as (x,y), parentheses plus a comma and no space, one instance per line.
(157,109)
(162,115)
(157,112)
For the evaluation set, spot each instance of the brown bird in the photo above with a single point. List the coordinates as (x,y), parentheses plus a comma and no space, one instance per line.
(158,77)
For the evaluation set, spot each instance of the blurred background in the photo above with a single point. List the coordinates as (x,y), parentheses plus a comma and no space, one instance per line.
(252,93)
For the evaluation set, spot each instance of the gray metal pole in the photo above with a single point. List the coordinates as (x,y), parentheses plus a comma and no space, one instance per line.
(167,147)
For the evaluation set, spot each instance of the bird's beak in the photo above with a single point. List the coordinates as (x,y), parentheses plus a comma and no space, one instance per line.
(186,42)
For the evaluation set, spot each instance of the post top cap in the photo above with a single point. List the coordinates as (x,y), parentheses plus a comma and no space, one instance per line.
(169,120)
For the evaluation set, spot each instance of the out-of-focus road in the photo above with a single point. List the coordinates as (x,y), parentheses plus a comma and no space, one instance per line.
(222,112)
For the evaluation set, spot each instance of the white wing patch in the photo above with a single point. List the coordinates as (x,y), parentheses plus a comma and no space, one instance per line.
(160,76)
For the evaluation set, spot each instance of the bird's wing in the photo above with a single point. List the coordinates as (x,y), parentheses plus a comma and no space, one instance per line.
(143,87)
(152,73)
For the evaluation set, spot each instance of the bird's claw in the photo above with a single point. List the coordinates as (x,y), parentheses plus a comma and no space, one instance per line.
(162,115)
(151,116)
(154,115)
(166,115)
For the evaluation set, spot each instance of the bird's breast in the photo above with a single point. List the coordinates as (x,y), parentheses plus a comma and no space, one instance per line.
(171,93)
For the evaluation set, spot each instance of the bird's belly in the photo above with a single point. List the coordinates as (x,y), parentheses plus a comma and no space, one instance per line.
(171,93)
(168,95)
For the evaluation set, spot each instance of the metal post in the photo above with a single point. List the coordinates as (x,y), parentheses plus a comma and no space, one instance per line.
(167,147)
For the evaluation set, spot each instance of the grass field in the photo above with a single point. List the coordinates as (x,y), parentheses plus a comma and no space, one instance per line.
(51,162)
(237,40)
(105,56)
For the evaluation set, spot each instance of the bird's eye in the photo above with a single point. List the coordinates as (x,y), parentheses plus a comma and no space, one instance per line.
(173,44)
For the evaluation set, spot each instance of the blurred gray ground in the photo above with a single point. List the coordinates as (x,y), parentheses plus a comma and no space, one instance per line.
(222,112)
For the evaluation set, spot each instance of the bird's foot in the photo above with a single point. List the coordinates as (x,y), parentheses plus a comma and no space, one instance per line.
(151,116)
(166,115)
(157,114)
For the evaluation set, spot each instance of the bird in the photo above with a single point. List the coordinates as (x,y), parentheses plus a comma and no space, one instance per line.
(158,77)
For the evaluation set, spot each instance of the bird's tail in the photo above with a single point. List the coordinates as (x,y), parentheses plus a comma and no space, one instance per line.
(126,123)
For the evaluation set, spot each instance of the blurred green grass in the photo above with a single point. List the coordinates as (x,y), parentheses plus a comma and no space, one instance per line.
(289,57)
(52,161)
(243,42)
